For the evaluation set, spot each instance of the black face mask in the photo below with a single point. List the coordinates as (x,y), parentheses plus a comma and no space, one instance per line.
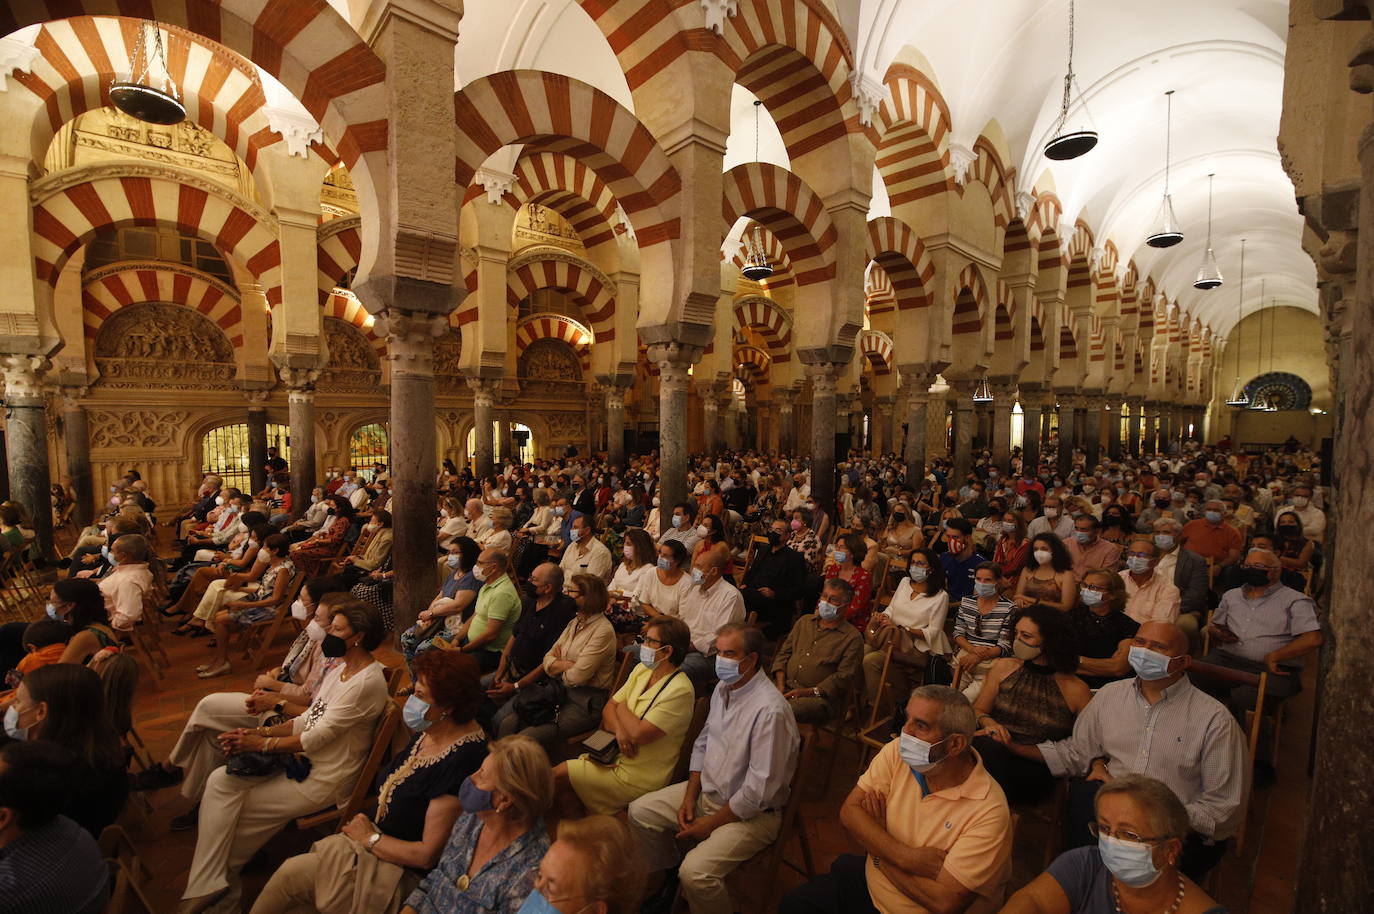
(333,646)
(1256,577)
(1288,533)
(774,538)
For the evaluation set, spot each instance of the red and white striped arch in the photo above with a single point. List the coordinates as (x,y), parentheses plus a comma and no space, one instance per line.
(541,268)
(555,327)
(68,212)
(1045,215)
(806,109)
(783,204)
(751,363)
(308,47)
(339,243)
(879,297)
(106,290)
(772,323)
(989,170)
(571,189)
(783,274)
(903,259)
(1080,252)
(970,309)
(346,307)
(913,152)
(876,347)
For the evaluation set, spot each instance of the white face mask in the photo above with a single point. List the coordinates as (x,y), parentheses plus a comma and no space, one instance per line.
(315,631)
(1043,556)
(298,611)
(703,530)
(479,572)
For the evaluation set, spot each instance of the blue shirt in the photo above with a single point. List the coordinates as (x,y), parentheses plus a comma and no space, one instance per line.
(53,869)
(959,574)
(500,887)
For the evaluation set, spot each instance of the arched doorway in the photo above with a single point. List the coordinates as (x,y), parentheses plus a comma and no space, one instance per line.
(522,446)
(224,451)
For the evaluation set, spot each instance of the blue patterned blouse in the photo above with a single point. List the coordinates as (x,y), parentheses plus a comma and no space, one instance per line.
(500,887)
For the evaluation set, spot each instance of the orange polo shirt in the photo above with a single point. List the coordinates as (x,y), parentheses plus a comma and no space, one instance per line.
(44,656)
(970,823)
(1211,541)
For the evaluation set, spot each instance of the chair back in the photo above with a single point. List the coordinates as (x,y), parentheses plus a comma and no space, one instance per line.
(684,756)
(362,787)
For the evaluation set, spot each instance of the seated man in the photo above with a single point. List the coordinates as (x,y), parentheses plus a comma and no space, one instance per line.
(1264,626)
(47,861)
(1212,538)
(1088,550)
(1186,569)
(740,777)
(586,554)
(960,562)
(684,526)
(1150,596)
(934,823)
(773,583)
(1234,576)
(543,617)
(819,662)
(710,603)
(1159,725)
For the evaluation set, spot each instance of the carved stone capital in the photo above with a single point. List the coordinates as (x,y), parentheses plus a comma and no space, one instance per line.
(410,337)
(614,394)
(24,378)
(496,183)
(869,93)
(15,55)
(824,378)
(297,130)
(72,396)
(483,392)
(300,382)
(674,361)
(961,159)
(715,12)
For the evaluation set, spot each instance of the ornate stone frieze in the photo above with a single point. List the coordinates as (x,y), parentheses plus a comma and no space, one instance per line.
(153,332)
(136,428)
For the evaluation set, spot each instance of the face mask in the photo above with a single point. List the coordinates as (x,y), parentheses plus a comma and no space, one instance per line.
(474,798)
(1256,577)
(1051,513)
(1023,651)
(727,670)
(536,903)
(414,714)
(648,656)
(665,564)
(52,611)
(1043,556)
(558,511)
(827,610)
(916,752)
(984,588)
(314,499)
(1300,501)
(315,631)
(1137,564)
(12,724)
(1148,664)
(1213,517)
(479,572)
(677,521)
(918,573)
(1164,541)
(703,531)
(1090,597)
(452,561)
(1008,528)
(1084,537)
(219,500)
(696,575)
(1132,863)
(333,646)
(796,525)
(298,611)
(956,546)
(1289,533)
(841,556)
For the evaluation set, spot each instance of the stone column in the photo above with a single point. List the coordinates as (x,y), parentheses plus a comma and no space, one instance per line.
(732,419)
(615,424)
(1001,427)
(1113,419)
(916,390)
(844,419)
(961,395)
(1067,434)
(257,440)
(1092,432)
(1164,430)
(883,440)
(76,439)
(785,412)
(483,399)
(1133,423)
(503,442)
(710,422)
(26,441)
(1150,429)
(673,361)
(410,351)
(300,404)
(823,377)
(1030,432)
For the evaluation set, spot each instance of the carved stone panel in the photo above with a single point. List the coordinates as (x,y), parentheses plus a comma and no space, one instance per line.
(157,342)
(567,426)
(549,366)
(352,360)
(136,429)
(448,351)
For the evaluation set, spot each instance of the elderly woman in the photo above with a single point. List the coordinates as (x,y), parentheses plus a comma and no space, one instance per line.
(1029,698)
(239,814)
(1140,829)
(649,717)
(540,532)
(1104,630)
(595,865)
(378,548)
(498,537)
(443,619)
(915,620)
(847,565)
(376,862)
(308,555)
(492,856)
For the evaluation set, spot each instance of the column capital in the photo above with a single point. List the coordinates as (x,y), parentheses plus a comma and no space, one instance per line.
(483,392)
(614,394)
(256,397)
(674,360)
(824,377)
(784,397)
(24,374)
(410,337)
(299,381)
(73,395)
(916,381)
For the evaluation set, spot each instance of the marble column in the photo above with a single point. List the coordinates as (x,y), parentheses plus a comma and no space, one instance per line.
(1067,434)
(76,439)
(823,377)
(1000,427)
(1030,433)
(710,422)
(300,404)
(26,441)
(883,440)
(1113,419)
(257,441)
(615,425)
(1133,424)
(1092,432)
(961,393)
(1047,415)
(1150,429)
(732,421)
(916,390)
(410,352)
(673,363)
(503,442)
(1165,430)
(483,399)
(785,411)
(844,420)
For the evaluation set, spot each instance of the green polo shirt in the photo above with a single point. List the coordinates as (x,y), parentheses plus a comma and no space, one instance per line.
(497,600)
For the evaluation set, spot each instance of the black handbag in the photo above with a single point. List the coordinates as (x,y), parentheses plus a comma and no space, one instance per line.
(259,764)
(539,703)
(602,747)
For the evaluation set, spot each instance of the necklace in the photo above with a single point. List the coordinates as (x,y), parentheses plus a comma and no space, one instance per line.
(1178,899)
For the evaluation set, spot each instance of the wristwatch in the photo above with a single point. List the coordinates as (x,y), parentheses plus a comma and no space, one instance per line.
(372,839)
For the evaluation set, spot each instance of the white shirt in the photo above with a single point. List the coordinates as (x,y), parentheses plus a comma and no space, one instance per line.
(628,582)
(705,612)
(1063,526)
(911,610)
(797,497)
(123,588)
(596,560)
(666,598)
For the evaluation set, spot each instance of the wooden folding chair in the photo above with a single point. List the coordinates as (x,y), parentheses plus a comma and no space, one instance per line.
(1259,681)
(362,788)
(755,542)
(126,895)
(684,755)
(257,637)
(776,853)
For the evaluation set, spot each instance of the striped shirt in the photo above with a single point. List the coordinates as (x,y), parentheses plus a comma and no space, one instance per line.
(52,869)
(991,629)
(1187,739)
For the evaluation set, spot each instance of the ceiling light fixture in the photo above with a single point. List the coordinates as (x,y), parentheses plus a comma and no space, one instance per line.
(983,392)
(1067,144)
(757,267)
(149,95)
(1209,274)
(1239,398)
(1166,233)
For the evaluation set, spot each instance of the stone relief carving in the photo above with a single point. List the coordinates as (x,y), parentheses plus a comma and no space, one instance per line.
(157,330)
(550,360)
(136,428)
(565,426)
(348,348)
(448,351)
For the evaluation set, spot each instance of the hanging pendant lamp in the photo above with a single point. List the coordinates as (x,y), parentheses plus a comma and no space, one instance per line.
(1167,232)
(1064,143)
(1209,274)
(983,392)
(757,266)
(149,95)
(1239,398)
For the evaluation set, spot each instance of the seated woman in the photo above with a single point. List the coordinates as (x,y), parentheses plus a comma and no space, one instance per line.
(498,535)
(1103,628)
(63,704)
(847,565)
(983,629)
(539,532)
(252,608)
(205,596)
(452,524)
(1028,698)
(377,550)
(309,554)
(1013,548)
(134,572)
(902,534)
(713,538)
(191,582)
(443,619)
(492,855)
(583,659)
(1048,578)
(915,620)
(1141,826)
(661,591)
(239,814)
(649,717)
(377,590)
(638,564)
(595,860)
(83,606)
(417,804)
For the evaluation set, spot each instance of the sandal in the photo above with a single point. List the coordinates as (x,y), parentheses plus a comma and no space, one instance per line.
(200,631)
(212,672)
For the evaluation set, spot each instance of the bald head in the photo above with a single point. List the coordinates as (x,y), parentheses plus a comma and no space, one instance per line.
(1163,637)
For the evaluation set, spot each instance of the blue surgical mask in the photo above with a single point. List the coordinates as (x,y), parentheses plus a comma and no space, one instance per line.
(474,798)
(1128,861)
(916,752)
(105,554)
(696,575)
(727,670)
(1137,564)
(1213,517)
(677,521)
(12,724)
(1164,541)
(52,611)
(536,903)
(1148,664)
(918,573)
(1090,597)
(841,556)
(452,561)
(1083,537)
(827,610)
(665,564)
(648,656)
(414,714)
(984,588)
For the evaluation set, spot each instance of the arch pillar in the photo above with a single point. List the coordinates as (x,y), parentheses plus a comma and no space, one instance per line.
(483,447)
(615,424)
(824,377)
(1092,430)
(26,440)
(76,441)
(1134,421)
(916,381)
(1004,399)
(1033,403)
(300,406)
(1068,433)
(673,361)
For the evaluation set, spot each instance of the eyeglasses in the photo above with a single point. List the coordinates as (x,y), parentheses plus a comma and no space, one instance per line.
(646,640)
(1098,831)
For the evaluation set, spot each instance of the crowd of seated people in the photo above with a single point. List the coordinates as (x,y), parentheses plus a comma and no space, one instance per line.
(1027,629)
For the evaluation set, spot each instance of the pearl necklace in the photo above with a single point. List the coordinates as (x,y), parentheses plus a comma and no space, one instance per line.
(1121,909)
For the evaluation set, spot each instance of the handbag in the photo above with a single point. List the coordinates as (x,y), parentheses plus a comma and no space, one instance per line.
(539,703)
(602,746)
(258,764)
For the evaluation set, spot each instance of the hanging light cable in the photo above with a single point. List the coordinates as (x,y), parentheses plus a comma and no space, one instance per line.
(1273,332)
(1209,274)
(1064,143)
(983,392)
(1166,233)
(757,266)
(150,94)
(1239,398)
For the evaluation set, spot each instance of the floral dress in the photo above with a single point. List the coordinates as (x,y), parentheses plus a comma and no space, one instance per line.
(862,605)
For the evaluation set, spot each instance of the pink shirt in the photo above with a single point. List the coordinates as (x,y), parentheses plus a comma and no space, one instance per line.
(1157,600)
(123,589)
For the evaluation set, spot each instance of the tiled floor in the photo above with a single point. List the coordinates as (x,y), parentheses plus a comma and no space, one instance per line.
(1258,881)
